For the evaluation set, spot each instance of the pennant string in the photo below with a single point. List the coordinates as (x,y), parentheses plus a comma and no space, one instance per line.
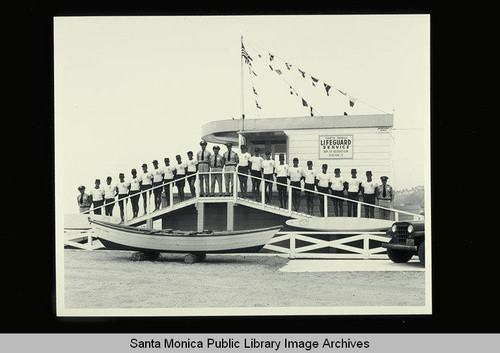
(327,86)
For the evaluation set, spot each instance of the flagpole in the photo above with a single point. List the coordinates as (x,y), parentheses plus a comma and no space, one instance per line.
(242,97)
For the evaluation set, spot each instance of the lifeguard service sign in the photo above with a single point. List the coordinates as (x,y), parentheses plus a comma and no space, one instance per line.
(335,146)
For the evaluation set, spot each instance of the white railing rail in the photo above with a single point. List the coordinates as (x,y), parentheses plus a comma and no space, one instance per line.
(236,186)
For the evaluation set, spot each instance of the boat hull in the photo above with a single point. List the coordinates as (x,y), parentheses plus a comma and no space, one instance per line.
(127,238)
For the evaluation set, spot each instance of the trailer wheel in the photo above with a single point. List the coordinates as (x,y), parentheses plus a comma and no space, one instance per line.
(398,256)
(421,253)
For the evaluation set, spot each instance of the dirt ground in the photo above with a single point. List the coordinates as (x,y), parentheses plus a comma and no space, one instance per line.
(109,279)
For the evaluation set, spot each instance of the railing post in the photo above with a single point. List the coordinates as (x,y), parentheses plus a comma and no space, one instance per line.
(197,185)
(171,196)
(358,205)
(235,185)
(366,246)
(325,205)
(289,189)
(292,246)
(396,216)
(125,210)
(263,190)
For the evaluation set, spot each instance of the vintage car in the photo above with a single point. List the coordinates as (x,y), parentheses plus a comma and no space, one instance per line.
(407,239)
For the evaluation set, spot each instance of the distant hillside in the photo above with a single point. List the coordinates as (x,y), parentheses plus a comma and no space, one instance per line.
(413,196)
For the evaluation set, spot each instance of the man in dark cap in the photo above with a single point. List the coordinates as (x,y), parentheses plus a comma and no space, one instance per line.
(157,183)
(243,166)
(295,174)
(353,189)
(309,183)
(268,166)
(123,189)
(180,173)
(256,173)
(281,173)
(369,190)
(323,184)
(231,159)
(83,200)
(203,159)
(146,185)
(192,168)
(216,165)
(168,178)
(338,186)
(97,197)
(385,196)
(134,190)
(110,192)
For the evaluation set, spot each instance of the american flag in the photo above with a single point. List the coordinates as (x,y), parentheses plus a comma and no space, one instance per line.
(245,54)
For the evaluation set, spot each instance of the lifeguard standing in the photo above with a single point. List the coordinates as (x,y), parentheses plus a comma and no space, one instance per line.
(231,159)
(203,159)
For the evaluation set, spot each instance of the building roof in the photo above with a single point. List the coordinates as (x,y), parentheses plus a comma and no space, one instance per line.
(222,131)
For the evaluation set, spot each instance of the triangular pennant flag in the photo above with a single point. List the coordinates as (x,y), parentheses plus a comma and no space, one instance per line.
(291,90)
(315,80)
(352,100)
(257,105)
(271,68)
(312,111)
(278,71)
(288,66)
(271,57)
(302,72)
(245,55)
(254,91)
(260,56)
(253,72)
(345,113)
(304,103)
(345,94)
(327,88)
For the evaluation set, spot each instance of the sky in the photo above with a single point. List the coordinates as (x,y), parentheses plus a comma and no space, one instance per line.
(132,89)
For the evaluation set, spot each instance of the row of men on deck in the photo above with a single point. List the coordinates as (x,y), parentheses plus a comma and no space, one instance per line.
(211,167)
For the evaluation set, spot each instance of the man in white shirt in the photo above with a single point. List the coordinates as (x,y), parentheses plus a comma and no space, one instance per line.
(323,185)
(157,182)
(243,159)
(338,186)
(110,192)
(268,170)
(230,160)
(97,197)
(179,174)
(134,190)
(203,159)
(295,175)
(309,183)
(256,173)
(281,173)
(192,168)
(353,189)
(168,178)
(146,185)
(123,187)
(369,190)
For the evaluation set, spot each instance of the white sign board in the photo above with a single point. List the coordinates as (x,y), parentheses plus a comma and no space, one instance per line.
(335,146)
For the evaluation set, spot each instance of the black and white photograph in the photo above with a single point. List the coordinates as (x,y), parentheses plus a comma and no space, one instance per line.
(242,165)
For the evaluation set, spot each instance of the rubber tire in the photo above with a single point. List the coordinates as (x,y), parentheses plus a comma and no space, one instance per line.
(421,253)
(398,256)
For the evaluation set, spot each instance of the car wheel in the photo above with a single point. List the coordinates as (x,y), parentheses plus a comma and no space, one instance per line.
(398,256)
(421,253)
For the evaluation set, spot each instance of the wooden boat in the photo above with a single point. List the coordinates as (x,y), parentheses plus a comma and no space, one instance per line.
(121,237)
(341,224)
